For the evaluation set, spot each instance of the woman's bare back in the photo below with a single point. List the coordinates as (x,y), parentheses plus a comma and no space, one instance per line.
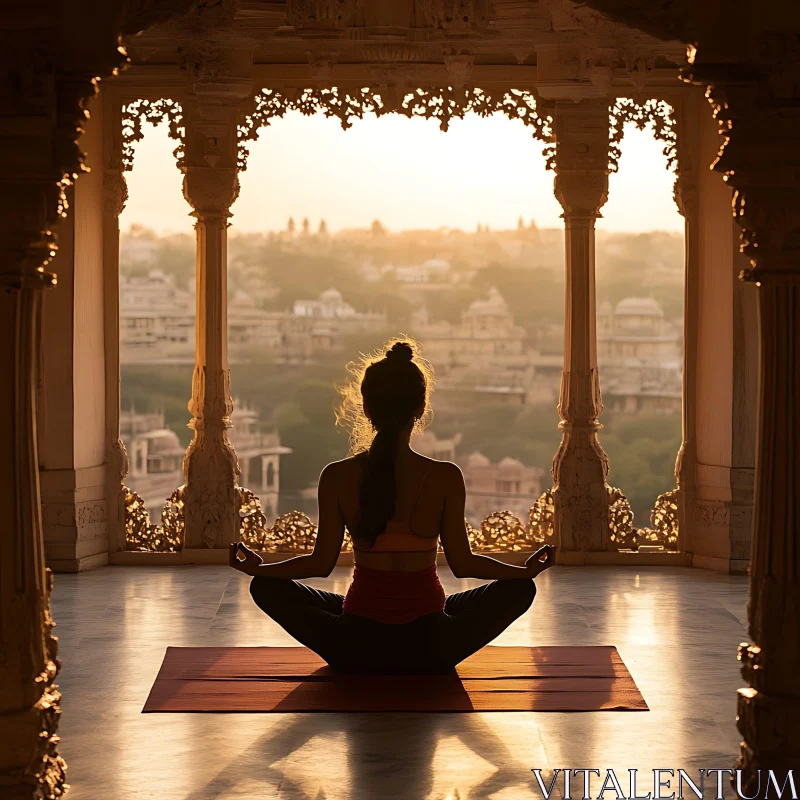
(421,494)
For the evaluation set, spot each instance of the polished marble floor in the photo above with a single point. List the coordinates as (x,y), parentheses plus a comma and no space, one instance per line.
(676,629)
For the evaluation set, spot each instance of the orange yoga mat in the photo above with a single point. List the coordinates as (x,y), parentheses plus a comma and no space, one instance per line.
(294,679)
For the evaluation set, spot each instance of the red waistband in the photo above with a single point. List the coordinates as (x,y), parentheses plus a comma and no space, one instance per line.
(394,597)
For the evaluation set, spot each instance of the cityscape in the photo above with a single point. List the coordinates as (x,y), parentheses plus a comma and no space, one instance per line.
(487,309)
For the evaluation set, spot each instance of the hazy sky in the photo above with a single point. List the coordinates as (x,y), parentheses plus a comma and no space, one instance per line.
(405,172)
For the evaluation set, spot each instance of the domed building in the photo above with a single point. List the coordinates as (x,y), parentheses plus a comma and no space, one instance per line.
(486,357)
(639,356)
(508,485)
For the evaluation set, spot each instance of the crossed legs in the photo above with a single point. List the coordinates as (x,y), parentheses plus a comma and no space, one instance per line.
(436,642)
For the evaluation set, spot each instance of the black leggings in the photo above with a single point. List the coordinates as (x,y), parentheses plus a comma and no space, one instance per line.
(434,643)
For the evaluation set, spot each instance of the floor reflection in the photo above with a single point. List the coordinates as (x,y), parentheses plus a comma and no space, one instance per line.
(310,756)
(676,630)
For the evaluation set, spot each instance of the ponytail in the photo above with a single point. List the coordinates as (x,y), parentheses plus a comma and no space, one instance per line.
(377,488)
(394,392)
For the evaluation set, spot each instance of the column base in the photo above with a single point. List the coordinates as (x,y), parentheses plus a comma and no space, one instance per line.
(729,566)
(74,518)
(84,564)
(719,520)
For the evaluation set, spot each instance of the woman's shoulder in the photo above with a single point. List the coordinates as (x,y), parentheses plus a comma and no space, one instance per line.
(443,470)
(352,464)
(342,469)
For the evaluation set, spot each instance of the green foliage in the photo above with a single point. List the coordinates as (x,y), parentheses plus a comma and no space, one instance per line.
(642,452)
(527,433)
(643,265)
(306,424)
(534,296)
(157,388)
(174,254)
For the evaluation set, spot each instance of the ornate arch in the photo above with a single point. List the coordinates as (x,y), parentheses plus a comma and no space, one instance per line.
(135,113)
(443,104)
(657,114)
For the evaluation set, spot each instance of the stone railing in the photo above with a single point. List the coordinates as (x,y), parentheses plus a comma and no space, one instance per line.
(663,519)
(500,532)
(142,535)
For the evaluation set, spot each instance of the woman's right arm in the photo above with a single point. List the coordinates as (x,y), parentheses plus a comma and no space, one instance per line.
(460,558)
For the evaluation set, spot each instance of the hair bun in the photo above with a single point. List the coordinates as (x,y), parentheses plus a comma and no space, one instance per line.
(401,351)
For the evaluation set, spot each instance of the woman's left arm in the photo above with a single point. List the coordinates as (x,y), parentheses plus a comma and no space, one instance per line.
(330,535)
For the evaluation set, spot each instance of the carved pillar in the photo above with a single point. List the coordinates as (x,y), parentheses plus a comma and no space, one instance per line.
(761,161)
(210,186)
(50,62)
(37,143)
(29,697)
(115,195)
(580,466)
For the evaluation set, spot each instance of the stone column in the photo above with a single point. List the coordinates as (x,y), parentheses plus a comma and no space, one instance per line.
(715,465)
(115,195)
(580,466)
(761,162)
(71,397)
(210,186)
(37,142)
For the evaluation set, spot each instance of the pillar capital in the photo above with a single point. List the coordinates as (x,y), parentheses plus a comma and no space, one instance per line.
(210,191)
(581,159)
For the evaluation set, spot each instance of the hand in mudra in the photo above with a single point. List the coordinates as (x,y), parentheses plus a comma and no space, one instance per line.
(542,559)
(241,557)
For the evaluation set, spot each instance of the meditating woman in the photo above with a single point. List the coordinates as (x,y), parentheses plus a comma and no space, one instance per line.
(397,505)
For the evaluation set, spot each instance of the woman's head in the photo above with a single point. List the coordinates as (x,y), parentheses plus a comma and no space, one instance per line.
(389,388)
(386,401)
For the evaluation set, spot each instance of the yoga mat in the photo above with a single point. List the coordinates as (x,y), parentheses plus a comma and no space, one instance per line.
(294,679)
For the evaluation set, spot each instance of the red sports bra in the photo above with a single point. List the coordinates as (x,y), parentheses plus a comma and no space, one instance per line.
(398,536)
(394,598)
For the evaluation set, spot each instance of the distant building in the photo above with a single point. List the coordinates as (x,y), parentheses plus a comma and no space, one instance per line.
(507,485)
(259,457)
(484,357)
(155,456)
(156,319)
(428,444)
(435,271)
(330,305)
(639,356)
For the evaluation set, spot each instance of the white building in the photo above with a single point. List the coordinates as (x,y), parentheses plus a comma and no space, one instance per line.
(639,357)
(330,305)
(157,324)
(506,486)
(156,319)
(486,355)
(155,456)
